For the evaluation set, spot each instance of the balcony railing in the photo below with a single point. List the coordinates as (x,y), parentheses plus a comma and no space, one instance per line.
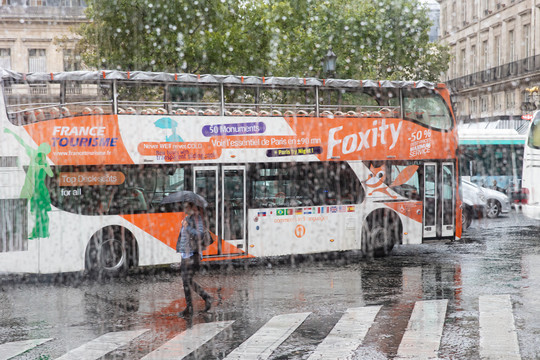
(503,72)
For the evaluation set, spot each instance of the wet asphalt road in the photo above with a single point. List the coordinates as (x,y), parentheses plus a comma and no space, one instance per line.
(495,257)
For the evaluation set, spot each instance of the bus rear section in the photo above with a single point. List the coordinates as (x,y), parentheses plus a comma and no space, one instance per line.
(531,170)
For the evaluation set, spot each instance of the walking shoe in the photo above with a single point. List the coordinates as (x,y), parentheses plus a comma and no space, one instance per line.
(207,303)
(187,312)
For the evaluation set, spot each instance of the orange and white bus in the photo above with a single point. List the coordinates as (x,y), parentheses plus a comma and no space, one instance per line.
(289,166)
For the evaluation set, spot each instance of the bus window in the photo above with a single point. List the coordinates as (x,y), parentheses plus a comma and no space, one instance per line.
(96,190)
(145,99)
(304,184)
(194,100)
(426,107)
(364,102)
(534,133)
(410,188)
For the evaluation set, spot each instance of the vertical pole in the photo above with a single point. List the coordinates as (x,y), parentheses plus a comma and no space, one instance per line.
(317,110)
(115,97)
(222,96)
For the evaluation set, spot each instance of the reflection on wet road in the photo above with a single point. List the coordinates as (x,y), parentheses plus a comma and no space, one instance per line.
(464,300)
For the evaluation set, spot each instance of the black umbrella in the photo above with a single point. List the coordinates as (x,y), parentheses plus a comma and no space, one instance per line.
(185,196)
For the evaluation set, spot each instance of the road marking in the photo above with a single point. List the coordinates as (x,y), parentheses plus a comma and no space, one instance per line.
(102,345)
(422,337)
(347,335)
(188,341)
(498,337)
(261,344)
(11,349)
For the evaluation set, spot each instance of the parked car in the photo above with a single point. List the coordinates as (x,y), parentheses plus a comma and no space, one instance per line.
(497,203)
(474,203)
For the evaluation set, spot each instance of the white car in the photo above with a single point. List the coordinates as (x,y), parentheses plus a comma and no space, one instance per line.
(497,203)
(474,203)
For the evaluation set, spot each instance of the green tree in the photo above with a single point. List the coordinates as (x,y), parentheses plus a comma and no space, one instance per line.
(383,39)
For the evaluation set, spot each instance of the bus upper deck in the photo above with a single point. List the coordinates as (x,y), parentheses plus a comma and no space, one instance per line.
(41,96)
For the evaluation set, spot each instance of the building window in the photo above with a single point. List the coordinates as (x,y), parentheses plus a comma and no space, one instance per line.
(444,21)
(37,61)
(526,40)
(485,55)
(66,3)
(484,100)
(5,59)
(511,46)
(497,102)
(454,15)
(510,100)
(473,107)
(498,60)
(473,59)
(72,61)
(463,64)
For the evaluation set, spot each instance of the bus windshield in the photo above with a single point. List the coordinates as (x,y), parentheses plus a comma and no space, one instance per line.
(426,107)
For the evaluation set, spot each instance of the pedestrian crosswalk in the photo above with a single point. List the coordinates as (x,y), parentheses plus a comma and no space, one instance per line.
(347,335)
(423,334)
(421,339)
(12,349)
(188,341)
(498,337)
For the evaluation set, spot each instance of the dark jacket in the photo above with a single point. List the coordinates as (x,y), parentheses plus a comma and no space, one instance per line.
(194,229)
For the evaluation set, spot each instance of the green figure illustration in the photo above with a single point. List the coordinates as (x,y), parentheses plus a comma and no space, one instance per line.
(34,188)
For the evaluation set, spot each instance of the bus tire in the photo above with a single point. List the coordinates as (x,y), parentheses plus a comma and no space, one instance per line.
(380,233)
(111,251)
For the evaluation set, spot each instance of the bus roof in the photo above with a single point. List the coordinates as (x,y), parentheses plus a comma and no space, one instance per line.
(110,75)
(468,136)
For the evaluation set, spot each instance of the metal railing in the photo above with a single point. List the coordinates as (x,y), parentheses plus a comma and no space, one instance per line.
(529,65)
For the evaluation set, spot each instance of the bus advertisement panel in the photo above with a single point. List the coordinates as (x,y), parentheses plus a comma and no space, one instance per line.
(288,166)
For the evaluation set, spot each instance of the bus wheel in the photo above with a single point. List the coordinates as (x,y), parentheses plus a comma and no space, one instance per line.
(382,240)
(381,231)
(111,251)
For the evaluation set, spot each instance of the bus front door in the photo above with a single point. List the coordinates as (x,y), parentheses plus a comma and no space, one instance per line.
(233,206)
(205,183)
(226,211)
(439,200)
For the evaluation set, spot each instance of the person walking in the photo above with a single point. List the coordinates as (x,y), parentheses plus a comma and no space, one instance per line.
(188,246)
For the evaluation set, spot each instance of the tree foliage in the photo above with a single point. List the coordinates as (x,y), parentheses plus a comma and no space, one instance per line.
(373,39)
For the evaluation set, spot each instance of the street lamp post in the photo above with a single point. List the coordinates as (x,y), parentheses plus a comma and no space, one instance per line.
(329,63)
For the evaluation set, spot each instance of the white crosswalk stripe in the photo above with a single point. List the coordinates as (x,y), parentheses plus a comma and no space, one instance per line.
(261,344)
(422,337)
(347,335)
(12,349)
(188,341)
(498,337)
(102,345)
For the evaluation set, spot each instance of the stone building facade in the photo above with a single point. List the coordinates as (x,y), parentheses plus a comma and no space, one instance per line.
(30,34)
(495,65)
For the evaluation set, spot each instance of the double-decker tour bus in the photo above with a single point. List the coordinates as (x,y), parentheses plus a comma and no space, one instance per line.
(531,170)
(289,166)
